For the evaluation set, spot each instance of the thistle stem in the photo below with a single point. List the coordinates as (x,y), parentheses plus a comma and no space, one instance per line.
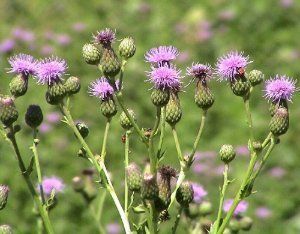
(152,156)
(162,131)
(249,120)
(177,145)
(100,166)
(126,160)
(94,214)
(101,205)
(174,228)
(104,144)
(42,209)
(222,196)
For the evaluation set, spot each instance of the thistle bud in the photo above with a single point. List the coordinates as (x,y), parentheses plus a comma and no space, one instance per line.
(205,208)
(173,110)
(227,153)
(255,77)
(246,223)
(91,54)
(83,129)
(275,105)
(204,98)
(109,62)
(77,184)
(185,194)
(72,85)
(55,93)
(34,116)
(164,216)
(8,111)
(240,86)
(124,120)
(160,97)
(5,229)
(108,108)
(149,188)
(279,123)
(4,190)
(18,85)
(134,177)
(127,48)
(234,225)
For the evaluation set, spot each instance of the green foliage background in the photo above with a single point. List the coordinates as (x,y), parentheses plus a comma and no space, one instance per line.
(265,30)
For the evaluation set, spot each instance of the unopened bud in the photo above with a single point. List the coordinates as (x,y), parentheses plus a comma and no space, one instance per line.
(34,116)
(8,111)
(18,85)
(91,54)
(227,153)
(72,85)
(125,121)
(4,190)
(134,177)
(279,123)
(127,48)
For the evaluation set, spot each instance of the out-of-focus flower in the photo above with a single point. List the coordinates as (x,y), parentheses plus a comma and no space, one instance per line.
(204,32)
(52,183)
(199,168)
(144,7)
(53,117)
(183,56)
(23,34)
(161,54)
(280,88)
(204,154)
(7,45)
(199,192)
(241,208)
(286,3)
(277,172)
(23,64)
(47,50)
(263,212)
(227,15)
(79,26)
(44,128)
(242,150)
(113,228)
(63,39)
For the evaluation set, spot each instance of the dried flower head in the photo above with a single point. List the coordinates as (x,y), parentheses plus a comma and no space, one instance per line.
(199,193)
(280,88)
(52,183)
(50,70)
(105,37)
(165,77)
(23,64)
(231,65)
(101,88)
(167,172)
(161,54)
(200,71)
(241,208)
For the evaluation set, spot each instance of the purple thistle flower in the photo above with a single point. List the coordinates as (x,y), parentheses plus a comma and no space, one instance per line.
(23,35)
(263,212)
(277,172)
(200,71)
(113,228)
(241,208)
(105,37)
(52,183)
(242,150)
(165,77)
(231,65)
(280,88)
(161,54)
(51,70)
(199,192)
(101,89)
(7,46)
(63,39)
(23,64)
(53,117)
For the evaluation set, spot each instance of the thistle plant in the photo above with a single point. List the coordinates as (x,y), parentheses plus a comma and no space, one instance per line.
(151,190)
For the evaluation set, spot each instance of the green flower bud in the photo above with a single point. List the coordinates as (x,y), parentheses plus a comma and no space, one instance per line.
(72,85)
(18,85)
(149,189)
(108,108)
(246,223)
(164,195)
(275,105)
(134,177)
(234,225)
(5,229)
(55,93)
(240,86)
(204,98)
(77,184)
(127,48)
(83,129)
(124,120)
(185,194)
(205,208)
(227,153)
(91,54)
(279,123)
(4,190)
(8,111)
(109,63)
(34,116)
(173,110)
(255,77)
(160,97)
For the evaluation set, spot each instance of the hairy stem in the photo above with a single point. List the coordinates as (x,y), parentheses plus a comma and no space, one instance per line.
(152,156)
(174,228)
(126,162)
(104,144)
(162,131)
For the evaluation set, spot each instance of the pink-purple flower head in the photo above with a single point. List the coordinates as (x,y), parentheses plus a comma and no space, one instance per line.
(51,70)
(199,193)
(105,37)
(165,77)
(101,88)
(231,65)
(241,208)
(53,183)
(200,71)
(161,55)
(23,64)
(280,88)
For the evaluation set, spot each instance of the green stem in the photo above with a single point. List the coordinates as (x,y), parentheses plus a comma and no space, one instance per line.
(152,219)
(122,73)
(249,120)
(162,131)
(177,145)
(94,214)
(180,179)
(104,144)
(222,196)
(42,209)
(100,166)
(152,156)
(101,205)
(174,228)
(126,162)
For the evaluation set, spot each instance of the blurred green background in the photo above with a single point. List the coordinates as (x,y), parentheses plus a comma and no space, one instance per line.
(268,31)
